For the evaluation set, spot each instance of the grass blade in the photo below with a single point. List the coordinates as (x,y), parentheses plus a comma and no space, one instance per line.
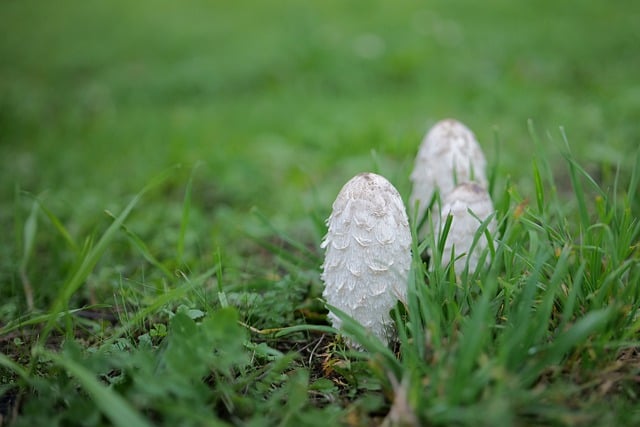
(92,257)
(579,193)
(29,237)
(575,173)
(634,182)
(300,256)
(305,328)
(493,171)
(13,366)
(143,248)
(23,321)
(589,324)
(539,188)
(58,226)
(184,222)
(114,407)
(355,331)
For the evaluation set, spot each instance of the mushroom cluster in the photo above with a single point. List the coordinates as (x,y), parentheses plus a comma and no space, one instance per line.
(368,242)
(451,165)
(448,155)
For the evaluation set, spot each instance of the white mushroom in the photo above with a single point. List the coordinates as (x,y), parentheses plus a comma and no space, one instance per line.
(469,204)
(368,253)
(449,155)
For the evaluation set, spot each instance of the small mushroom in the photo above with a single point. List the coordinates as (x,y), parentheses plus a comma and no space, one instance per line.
(470,205)
(449,155)
(368,254)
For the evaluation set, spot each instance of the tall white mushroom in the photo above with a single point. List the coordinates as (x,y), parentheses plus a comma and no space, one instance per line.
(469,204)
(368,253)
(449,155)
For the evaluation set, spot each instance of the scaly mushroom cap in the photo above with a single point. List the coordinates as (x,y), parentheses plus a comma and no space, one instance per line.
(368,253)
(449,155)
(464,198)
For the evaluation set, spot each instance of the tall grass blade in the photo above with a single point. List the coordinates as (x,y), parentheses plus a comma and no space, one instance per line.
(575,173)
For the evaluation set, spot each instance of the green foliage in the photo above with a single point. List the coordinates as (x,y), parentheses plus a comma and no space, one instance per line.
(531,330)
(202,373)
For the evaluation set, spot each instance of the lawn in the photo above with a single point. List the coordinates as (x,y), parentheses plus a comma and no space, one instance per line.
(166,170)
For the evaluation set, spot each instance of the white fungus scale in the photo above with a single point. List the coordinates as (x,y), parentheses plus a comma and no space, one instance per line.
(367,253)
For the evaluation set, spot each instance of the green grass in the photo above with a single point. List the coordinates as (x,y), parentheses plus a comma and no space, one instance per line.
(166,169)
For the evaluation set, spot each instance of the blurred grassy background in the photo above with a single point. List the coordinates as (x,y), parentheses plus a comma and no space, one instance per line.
(282,102)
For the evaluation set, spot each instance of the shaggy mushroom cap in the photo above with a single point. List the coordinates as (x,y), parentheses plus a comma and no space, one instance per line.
(465,198)
(448,155)
(368,253)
